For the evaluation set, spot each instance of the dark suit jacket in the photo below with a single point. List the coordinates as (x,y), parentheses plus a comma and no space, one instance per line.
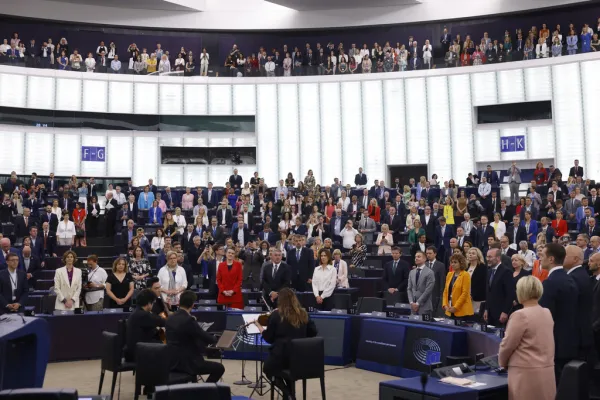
(187,342)
(479,283)
(175,199)
(50,243)
(510,252)
(595,304)
(578,171)
(21,292)
(129,214)
(549,233)
(214,198)
(236,181)
(217,234)
(445,240)
(273,237)
(20,228)
(534,213)
(399,280)
(508,214)
(561,297)
(430,228)
(34,205)
(235,234)
(482,236)
(587,230)
(299,230)
(134,210)
(360,179)
(332,224)
(303,268)
(52,221)
(500,294)
(228,217)
(492,179)
(187,240)
(521,234)
(141,328)
(282,278)
(584,308)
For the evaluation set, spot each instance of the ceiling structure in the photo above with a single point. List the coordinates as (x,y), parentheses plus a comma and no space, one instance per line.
(159,5)
(310,5)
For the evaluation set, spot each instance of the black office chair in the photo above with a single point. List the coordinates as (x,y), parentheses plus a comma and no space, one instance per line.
(574,382)
(392,298)
(193,391)
(122,331)
(356,272)
(154,369)
(307,361)
(342,301)
(39,394)
(370,304)
(454,360)
(112,360)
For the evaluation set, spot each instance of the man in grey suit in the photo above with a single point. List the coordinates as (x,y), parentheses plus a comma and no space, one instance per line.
(366,227)
(421,282)
(571,207)
(335,190)
(514,182)
(439,272)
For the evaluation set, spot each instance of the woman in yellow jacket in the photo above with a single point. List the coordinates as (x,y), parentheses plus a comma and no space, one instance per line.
(457,291)
(449,211)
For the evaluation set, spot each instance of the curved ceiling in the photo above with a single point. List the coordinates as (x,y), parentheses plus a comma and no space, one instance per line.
(233,15)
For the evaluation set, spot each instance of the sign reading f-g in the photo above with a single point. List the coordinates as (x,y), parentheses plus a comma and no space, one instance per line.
(93,153)
(512,143)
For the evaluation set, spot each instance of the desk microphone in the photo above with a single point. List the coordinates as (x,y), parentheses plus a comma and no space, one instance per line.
(22,318)
(424,379)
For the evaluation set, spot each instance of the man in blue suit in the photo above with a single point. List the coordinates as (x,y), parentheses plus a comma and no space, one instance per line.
(483,232)
(50,218)
(267,235)
(30,264)
(301,260)
(561,298)
(337,223)
(13,286)
(446,40)
(5,249)
(491,176)
(443,234)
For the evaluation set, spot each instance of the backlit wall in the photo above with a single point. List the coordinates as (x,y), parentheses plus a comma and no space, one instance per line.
(332,124)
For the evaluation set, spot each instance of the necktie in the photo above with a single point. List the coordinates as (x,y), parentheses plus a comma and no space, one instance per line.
(298,254)
(26,219)
(394,267)
(275,270)
(491,277)
(418,275)
(45,239)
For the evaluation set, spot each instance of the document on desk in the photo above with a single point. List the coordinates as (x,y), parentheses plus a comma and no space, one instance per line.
(464,382)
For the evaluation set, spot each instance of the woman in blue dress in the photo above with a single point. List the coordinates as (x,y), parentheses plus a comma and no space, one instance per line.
(63,61)
(586,40)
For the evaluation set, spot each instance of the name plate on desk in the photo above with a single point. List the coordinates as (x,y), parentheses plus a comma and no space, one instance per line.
(63,312)
(338,311)
(402,305)
(207,302)
(448,321)
(202,290)
(255,309)
(112,310)
(379,314)
(203,308)
(415,317)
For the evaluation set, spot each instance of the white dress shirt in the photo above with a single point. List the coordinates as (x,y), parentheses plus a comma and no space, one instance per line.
(180,221)
(241,237)
(324,280)
(529,257)
(348,237)
(554,269)
(484,189)
(13,283)
(574,268)
(97,276)
(180,282)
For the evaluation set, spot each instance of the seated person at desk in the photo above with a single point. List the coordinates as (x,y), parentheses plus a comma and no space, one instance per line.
(324,280)
(142,324)
(276,276)
(456,299)
(395,276)
(289,321)
(120,285)
(187,342)
(159,306)
(527,349)
(13,286)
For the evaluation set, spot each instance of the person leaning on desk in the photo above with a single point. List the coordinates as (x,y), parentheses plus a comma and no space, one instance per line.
(456,299)
(527,350)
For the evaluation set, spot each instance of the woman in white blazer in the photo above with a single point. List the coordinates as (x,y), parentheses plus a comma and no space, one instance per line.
(342,269)
(65,233)
(499,226)
(180,221)
(67,283)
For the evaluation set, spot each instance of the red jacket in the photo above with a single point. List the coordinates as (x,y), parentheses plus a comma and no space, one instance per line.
(374,213)
(560,227)
(230,280)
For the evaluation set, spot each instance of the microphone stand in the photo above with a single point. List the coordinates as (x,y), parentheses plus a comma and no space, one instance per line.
(424,379)
(241,333)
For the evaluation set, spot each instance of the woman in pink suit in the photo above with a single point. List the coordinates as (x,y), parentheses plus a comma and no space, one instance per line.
(527,350)
(187,200)
(229,281)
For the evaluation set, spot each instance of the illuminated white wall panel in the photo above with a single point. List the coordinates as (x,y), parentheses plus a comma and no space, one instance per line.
(195,175)
(540,142)
(39,153)
(120,97)
(289,130)
(568,118)
(40,92)
(266,129)
(244,99)
(538,83)
(417,121)
(220,139)
(119,156)
(484,89)
(440,146)
(487,146)
(12,152)
(145,158)
(67,154)
(13,90)
(146,98)
(244,139)
(219,97)
(170,175)
(219,175)
(517,155)
(395,124)
(170,139)
(510,86)
(461,114)
(95,96)
(195,141)
(310,130)
(68,94)
(590,89)
(93,138)
(195,99)
(331,133)
(170,100)
(352,130)
(373,133)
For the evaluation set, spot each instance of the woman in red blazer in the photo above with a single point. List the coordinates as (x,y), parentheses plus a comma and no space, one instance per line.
(559,225)
(374,210)
(229,282)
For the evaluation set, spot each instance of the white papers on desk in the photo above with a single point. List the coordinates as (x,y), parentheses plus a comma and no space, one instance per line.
(463,382)
(249,321)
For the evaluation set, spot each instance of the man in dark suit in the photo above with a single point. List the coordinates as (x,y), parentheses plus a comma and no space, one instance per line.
(429,223)
(37,244)
(483,232)
(23,223)
(500,290)
(573,265)
(30,264)
(210,197)
(594,265)
(546,228)
(491,176)
(224,215)
(443,234)
(494,207)
(337,223)
(50,218)
(252,264)
(395,223)
(395,276)
(360,179)
(421,245)
(92,188)
(560,297)
(132,206)
(268,235)
(216,231)
(505,248)
(187,239)
(129,189)
(110,214)
(51,184)
(142,324)
(439,269)
(152,187)
(187,342)
(124,215)
(48,239)
(506,213)
(591,228)
(127,234)
(13,286)
(238,237)
(516,232)
(302,263)
(102,63)
(529,207)
(194,252)
(445,40)
(576,171)
(172,199)
(276,276)
(236,180)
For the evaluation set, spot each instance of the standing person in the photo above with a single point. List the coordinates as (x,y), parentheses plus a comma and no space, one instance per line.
(560,297)
(500,290)
(514,182)
(94,288)
(13,286)
(187,342)
(527,349)
(67,283)
(290,321)
(439,271)
(323,281)
(302,262)
(92,217)
(204,61)
(79,217)
(173,280)
(120,285)
(457,292)
(65,231)
(421,282)
(229,281)
(276,276)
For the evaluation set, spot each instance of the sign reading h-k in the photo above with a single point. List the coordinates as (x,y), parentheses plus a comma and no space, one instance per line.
(512,143)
